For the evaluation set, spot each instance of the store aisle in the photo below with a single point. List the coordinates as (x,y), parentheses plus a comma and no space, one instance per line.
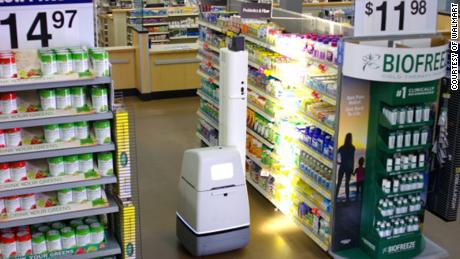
(164,130)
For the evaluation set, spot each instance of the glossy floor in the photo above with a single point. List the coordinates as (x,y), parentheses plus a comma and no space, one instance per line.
(164,130)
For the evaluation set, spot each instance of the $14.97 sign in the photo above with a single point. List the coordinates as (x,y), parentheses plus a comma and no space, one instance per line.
(395,17)
(46,23)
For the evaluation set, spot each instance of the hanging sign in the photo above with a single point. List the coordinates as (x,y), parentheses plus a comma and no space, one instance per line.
(46,23)
(394,64)
(395,17)
(256,10)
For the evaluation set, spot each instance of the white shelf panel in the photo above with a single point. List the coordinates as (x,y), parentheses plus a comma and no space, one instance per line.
(312,120)
(210,26)
(183,37)
(207,98)
(208,119)
(260,138)
(259,111)
(208,77)
(315,154)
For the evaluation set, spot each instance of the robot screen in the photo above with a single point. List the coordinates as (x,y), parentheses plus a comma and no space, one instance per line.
(221,171)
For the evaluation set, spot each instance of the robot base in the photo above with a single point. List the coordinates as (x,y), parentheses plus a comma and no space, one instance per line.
(212,243)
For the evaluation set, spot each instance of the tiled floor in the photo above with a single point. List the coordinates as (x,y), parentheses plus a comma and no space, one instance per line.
(165,129)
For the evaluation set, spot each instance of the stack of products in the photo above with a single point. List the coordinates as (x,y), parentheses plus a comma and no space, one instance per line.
(80,236)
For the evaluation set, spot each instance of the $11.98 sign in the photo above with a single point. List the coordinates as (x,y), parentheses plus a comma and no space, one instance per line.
(46,23)
(395,17)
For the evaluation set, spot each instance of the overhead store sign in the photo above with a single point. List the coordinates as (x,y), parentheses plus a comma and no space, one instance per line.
(394,64)
(46,23)
(395,17)
(256,10)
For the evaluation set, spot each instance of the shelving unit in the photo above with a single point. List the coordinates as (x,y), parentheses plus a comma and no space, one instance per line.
(46,150)
(276,163)
(168,24)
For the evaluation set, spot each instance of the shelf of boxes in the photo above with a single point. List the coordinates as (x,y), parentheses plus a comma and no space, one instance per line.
(295,144)
(167,24)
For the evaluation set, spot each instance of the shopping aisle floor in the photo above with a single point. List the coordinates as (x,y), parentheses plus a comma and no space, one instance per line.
(164,130)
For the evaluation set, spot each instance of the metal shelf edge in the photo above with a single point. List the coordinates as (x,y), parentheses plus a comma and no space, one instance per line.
(54,187)
(40,121)
(112,208)
(57,152)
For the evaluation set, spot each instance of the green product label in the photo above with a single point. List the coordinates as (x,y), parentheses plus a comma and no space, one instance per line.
(77,55)
(85,156)
(98,55)
(62,92)
(66,125)
(97,227)
(78,90)
(83,230)
(47,93)
(38,237)
(104,156)
(51,127)
(98,91)
(79,189)
(47,57)
(71,159)
(94,187)
(102,124)
(65,190)
(67,232)
(81,124)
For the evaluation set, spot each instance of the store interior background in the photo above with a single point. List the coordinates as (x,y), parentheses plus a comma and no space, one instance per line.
(166,128)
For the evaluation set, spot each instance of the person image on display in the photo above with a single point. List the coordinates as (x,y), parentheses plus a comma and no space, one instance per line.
(346,165)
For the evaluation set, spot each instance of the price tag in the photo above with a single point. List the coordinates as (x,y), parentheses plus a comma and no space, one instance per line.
(46,23)
(395,17)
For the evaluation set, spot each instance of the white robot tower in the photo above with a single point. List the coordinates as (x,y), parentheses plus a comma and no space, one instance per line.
(213,210)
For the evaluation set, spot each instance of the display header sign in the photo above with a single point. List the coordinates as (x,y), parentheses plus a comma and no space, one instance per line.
(256,10)
(46,23)
(394,64)
(395,17)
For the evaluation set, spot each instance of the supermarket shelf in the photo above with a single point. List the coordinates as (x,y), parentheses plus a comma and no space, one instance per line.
(112,248)
(260,138)
(183,37)
(255,160)
(315,154)
(24,120)
(158,41)
(208,119)
(207,98)
(111,208)
(324,96)
(311,204)
(259,66)
(158,33)
(259,111)
(186,27)
(308,180)
(29,155)
(36,84)
(207,45)
(201,58)
(261,92)
(203,139)
(208,77)
(155,24)
(211,26)
(317,123)
(259,42)
(310,234)
(304,228)
(54,187)
(148,17)
(182,14)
